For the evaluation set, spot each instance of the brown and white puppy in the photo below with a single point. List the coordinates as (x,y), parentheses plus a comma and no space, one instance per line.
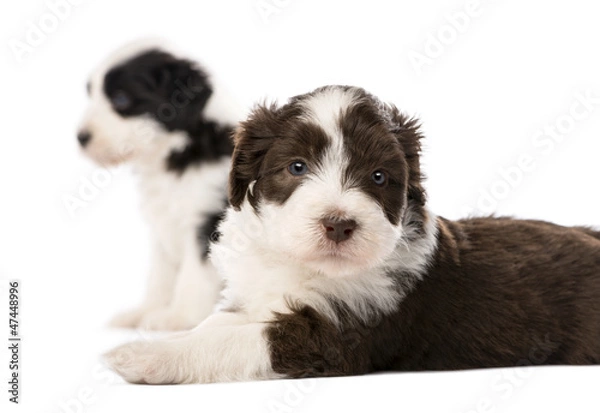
(335,266)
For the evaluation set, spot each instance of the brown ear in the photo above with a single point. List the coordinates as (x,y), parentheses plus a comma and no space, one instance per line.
(252,140)
(407,131)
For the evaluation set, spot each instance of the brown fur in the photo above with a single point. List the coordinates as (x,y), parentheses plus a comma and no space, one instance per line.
(272,138)
(266,145)
(498,291)
(372,147)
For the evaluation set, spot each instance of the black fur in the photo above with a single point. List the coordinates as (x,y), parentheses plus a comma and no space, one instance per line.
(174,92)
(209,141)
(207,232)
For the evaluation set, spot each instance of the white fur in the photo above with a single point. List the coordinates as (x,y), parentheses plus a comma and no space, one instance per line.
(325,108)
(182,290)
(278,258)
(225,347)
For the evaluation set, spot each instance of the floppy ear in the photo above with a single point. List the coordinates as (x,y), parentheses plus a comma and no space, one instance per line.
(408,134)
(178,82)
(189,90)
(252,140)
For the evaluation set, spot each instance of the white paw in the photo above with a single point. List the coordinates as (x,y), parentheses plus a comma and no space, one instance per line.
(149,363)
(166,319)
(129,319)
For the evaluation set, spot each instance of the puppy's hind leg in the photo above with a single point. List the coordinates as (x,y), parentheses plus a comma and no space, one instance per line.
(158,291)
(195,294)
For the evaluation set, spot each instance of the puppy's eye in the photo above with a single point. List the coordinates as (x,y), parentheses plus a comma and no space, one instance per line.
(120,100)
(379,177)
(298,168)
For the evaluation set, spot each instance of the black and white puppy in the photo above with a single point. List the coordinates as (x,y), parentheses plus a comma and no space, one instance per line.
(163,115)
(335,266)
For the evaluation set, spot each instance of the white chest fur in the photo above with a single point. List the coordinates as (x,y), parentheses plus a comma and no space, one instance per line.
(174,204)
(260,282)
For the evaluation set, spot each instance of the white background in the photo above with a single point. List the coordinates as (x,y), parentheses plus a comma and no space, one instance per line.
(483,95)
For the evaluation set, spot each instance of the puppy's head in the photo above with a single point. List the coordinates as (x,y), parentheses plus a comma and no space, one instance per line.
(333,176)
(135,96)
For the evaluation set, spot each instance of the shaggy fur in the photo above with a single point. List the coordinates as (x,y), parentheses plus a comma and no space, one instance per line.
(403,290)
(163,115)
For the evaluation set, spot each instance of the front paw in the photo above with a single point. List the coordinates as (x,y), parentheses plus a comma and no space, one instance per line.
(148,363)
(129,319)
(167,319)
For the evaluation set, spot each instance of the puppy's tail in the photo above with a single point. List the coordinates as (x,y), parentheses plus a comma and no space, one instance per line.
(590,231)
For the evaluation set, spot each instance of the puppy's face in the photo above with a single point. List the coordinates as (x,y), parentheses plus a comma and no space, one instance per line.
(136,97)
(331,176)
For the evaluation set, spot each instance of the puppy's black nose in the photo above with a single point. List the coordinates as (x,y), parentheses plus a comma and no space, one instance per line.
(84,137)
(338,231)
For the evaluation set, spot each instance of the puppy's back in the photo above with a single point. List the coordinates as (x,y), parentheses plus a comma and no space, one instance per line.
(503,292)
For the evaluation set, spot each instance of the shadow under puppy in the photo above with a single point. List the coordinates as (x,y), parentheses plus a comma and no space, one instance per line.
(162,114)
(335,266)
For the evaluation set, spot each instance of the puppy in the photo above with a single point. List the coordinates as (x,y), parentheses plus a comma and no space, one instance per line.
(335,266)
(162,114)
